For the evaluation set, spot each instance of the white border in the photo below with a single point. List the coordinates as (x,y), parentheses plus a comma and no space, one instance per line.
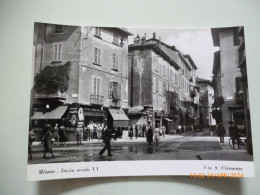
(137,168)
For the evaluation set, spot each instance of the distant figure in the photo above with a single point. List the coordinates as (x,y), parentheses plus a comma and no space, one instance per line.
(91,130)
(144,130)
(56,134)
(62,134)
(31,139)
(136,131)
(106,138)
(234,133)
(131,131)
(149,137)
(47,141)
(156,133)
(99,132)
(221,132)
(179,130)
(163,130)
(79,135)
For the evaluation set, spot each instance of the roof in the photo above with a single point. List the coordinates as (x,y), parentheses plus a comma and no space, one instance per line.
(215,34)
(170,50)
(54,114)
(124,30)
(201,80)
(118,115)
(191,61)
(165,53)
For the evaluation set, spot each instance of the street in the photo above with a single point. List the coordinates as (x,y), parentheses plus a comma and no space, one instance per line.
(190,146)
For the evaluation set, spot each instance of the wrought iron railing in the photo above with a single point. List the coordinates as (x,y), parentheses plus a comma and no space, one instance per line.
(96,99)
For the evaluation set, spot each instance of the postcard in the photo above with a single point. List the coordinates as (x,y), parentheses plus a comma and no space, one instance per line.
(114,101)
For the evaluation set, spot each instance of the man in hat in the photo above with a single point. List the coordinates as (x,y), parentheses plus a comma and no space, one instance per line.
(234,133)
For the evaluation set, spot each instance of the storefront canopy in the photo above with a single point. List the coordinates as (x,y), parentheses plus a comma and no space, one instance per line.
(119,118)
(169,120)
(57,113)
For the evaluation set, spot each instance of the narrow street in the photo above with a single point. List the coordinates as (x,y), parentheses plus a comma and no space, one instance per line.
(190,146)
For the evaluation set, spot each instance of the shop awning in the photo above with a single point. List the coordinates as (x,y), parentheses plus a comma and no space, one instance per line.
(57,113)
(119,118)
(167,119)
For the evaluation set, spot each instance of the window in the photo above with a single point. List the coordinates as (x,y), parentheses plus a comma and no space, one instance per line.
(115,61)
(97,56)
(164,71)
(157,85)
(156,67)
(164,89)
(176,79)
(115,38)
(98,32)
(96,85)
(114,90)
(59,28)
(57,51)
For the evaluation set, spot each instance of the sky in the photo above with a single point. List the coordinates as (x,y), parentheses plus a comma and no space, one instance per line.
(196,42)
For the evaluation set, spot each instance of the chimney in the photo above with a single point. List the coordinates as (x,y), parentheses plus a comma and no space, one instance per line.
(137,40)
(154,35)
(143,39)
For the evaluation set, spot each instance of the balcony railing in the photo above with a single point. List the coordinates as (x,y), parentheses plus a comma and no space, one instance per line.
(115,104)
(96,100)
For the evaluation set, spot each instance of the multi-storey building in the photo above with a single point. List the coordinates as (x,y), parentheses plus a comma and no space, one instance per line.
(242,93)
(159,83)
(206,94)
(226,81)
(97,88)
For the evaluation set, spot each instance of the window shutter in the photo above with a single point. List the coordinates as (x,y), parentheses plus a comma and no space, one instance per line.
(119,90)
(110,88)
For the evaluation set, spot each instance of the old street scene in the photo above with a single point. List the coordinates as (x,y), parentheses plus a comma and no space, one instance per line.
(116,94)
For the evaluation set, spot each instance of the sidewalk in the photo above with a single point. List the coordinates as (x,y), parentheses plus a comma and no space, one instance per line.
(226,153)
(119,140)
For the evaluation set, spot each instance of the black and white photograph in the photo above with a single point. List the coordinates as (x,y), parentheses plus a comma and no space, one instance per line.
(102,94)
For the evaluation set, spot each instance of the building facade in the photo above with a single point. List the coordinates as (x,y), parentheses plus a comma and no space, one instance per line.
(159,84)
(206,93)
(228,105)
(97,74)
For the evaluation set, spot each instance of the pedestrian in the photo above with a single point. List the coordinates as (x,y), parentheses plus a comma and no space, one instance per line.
(56,134)
(149,137)
(221,132)
(94,131)
(99,131)
(157,133)
(131,131)
(211,127)
(234,134)
(136,131)
(91,130)
(144,130)
(63,136)
(179,130)
(163,130)
(106,138)
(77,134)
(31,139)
(47,141)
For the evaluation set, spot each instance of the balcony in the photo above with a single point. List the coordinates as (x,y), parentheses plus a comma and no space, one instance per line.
(96,100)
(115,104)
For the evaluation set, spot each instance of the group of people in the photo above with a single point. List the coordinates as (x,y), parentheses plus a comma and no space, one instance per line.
(221,132)
(50,135)
(134,131)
